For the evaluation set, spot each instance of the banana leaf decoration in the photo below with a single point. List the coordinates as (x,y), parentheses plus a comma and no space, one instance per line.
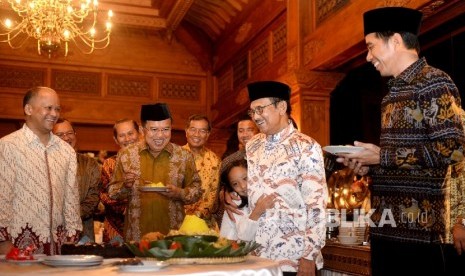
(193,247)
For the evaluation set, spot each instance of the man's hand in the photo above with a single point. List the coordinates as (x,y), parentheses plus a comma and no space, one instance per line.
(173,192)
(458,233)
(359,161)
(129,180)
(306,268)
(229,206)
(264,203)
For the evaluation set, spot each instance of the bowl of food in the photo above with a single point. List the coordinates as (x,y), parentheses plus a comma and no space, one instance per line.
(352,240)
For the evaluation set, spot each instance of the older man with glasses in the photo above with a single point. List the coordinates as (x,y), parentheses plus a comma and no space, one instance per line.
(87,177)
(284,162)
(155,160)
(198,129)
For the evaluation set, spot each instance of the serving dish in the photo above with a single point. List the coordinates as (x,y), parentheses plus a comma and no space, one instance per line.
(342,149)
(198,249)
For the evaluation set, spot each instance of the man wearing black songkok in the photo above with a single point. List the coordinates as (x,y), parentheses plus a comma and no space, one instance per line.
(414,193)
(155,160)
(287,164)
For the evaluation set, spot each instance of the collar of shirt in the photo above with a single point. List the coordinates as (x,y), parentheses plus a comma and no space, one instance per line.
(202,151)
(282,135)
(169,147)
(32,138)
(409,74)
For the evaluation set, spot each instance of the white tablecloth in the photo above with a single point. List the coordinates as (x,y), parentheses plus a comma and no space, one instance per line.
(253,266)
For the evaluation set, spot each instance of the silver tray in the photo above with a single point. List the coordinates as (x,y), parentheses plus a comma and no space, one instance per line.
(152,189)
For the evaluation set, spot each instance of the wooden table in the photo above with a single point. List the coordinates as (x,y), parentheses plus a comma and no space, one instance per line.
(354,260)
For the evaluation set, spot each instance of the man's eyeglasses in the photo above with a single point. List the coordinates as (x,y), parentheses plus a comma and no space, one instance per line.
(63,134)
(193,130)
(153,131)
(258,110)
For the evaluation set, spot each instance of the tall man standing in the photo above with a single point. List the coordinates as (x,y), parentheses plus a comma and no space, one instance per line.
(285,162)
(421,137)
(39,197)
(155,160)
(198,129)
(87,177)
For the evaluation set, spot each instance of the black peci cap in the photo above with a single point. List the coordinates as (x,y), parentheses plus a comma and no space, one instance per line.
(268,89)
(154,112)
(394,19)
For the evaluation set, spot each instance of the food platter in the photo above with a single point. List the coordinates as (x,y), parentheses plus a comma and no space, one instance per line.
(194,249)
(342,149)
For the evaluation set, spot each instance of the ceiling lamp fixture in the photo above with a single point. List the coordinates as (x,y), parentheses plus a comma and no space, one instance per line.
(56,22)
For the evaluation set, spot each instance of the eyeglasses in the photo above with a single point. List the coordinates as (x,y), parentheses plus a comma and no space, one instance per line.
(193,130)
(153,131)
(258,110)
(63,134)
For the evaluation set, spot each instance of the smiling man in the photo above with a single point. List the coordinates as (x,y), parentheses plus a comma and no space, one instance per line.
(155,160)
(289,164)
(198,129)
(125,133)
(39,197)
(422,138)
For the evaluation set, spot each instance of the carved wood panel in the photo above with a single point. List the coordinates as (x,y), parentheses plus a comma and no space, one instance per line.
(77,82)
(259,56)
(225,83)
(240,71)
(21,77)
(180,89)
(326,7)
(314,118)
(279,39)
(132,86)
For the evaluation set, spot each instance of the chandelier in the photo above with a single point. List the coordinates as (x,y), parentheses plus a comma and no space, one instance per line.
(54,23)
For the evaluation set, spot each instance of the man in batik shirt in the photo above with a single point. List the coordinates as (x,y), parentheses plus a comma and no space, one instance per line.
(198,129)
(125,133)
(285,162)
(422,140)
(39,198)
(155,160)
(87,177)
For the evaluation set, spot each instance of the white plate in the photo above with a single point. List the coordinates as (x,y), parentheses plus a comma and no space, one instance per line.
(147,266)
(152,189)
(39,256)
(65,264)
(73,260)
(342,149)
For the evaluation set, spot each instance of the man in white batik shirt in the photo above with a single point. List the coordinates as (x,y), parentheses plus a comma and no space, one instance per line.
(283,161)
(39,197)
